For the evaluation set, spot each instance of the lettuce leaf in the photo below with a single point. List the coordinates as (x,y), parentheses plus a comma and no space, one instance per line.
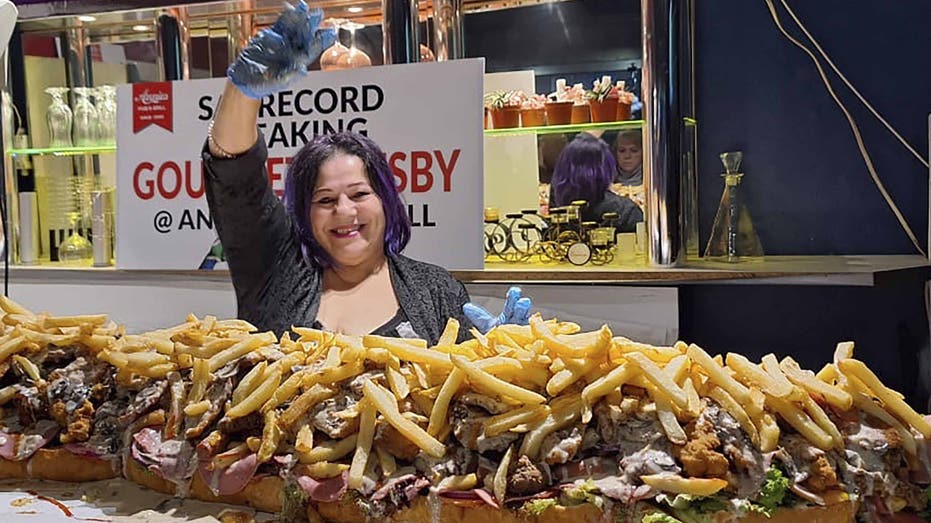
(659,517)
(772,493)
(535,507)
(585,493)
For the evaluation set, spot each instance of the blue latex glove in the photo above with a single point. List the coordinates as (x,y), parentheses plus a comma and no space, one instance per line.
(277,56)
(516,311)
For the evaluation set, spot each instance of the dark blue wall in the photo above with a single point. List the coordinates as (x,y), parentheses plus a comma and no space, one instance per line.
(807,186)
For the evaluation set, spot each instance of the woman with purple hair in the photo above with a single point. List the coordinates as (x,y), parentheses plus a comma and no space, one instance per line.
(329,256)
(584,171)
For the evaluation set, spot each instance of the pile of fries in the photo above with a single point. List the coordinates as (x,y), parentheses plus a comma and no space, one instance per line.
(548,374)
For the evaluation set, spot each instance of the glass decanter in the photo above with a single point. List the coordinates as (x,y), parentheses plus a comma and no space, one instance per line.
(86,119)
(59,118)
(76,250)
(733,236)
(106,109)
(332,57)
(355,57)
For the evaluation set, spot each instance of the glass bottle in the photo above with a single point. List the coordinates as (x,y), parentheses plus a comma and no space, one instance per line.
(59,118)
(733,236)
(86,119)
(76,250)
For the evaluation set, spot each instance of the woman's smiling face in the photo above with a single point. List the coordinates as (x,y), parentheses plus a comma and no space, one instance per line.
(346,215)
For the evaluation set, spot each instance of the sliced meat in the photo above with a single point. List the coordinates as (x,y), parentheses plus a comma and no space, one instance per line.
(499,443)
(562,445)
(30,405)
(105,438)
(625,430)
(526,478)
(324,490)
(217,394)
(145,401)
(647,461)
(389,439)
(172,459)
(396,493)
(248,424)
(355,384)
(457,462)
(20,446)
(232,479)
(337,416)
(491,405)
(468,424)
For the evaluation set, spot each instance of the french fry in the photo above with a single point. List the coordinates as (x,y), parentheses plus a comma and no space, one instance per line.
(197,408)
(11,307)
(286,391)
(466,482)
(146,359)
(827,374)
(373,340)
(52,322)
(622,346)
(563,412)
(752,375)
(396,381)
(363,444)
(304,441)
(329,450)
(303,403)
(156,371)
(602,387)
(249,382)
(408,351)
(694,406)
(386,404)
(334,374)
(801,422)
(325,469)
(271,437)
(892,402)
(441,405)
(257,397)
(505,421)
(843,351)
(572,373)
(500,480)
(771,366)
(386,461)
(675,484)
(7,394)
(821,418)
(28,367)
(450,333)
(804,379)
(483,380)
(657,377)
(867,405)
(542,331)
(717,375)
(667,419)
(730,405)
(234,325)
(769,432)
(586,345)
(241,348)
(96,341)
(44,338)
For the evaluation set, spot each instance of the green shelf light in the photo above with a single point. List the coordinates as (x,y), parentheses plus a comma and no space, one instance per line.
(63,151)
(575,128)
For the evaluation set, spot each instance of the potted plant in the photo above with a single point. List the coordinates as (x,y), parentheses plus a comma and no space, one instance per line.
(581,113)
(504,107)
(559,105)
(532,111)
(625,99)
(603,100)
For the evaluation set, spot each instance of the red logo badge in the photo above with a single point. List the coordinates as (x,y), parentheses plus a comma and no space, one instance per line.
(152,106)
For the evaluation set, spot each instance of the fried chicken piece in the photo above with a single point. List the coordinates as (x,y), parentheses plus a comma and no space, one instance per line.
(699,457)
(823,477)
(893,438)
(80,424)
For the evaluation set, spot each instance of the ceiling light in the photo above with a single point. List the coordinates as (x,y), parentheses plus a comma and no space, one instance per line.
(140,28)
(354,9)
(87,18)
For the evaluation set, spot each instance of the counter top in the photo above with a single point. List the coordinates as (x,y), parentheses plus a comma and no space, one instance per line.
(866,270)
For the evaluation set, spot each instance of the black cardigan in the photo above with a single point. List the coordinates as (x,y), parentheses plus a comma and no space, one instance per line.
(276,287)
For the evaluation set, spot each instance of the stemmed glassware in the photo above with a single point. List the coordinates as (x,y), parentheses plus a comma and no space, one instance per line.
(76,249)
(338,56)
(106,109)
(59,117)
(86,118)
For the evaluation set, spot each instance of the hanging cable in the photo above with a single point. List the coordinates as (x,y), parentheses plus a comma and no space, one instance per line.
(854,128)
(852,88)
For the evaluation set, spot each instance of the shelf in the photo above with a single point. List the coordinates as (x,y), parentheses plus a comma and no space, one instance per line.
(63,151)
(773,270)
(556,129)
(862,271)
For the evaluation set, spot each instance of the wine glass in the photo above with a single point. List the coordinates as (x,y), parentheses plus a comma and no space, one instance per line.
(59,118)
(355,57)
(86,119)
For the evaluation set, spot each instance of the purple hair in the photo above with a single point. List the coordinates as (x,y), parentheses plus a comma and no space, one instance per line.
(302,178)
(584,171)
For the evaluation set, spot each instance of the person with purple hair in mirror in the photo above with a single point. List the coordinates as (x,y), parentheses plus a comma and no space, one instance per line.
(329,255)
(584,171)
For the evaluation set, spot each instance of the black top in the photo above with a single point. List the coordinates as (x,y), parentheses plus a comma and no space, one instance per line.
(276,286)
(628,212)
(393,328)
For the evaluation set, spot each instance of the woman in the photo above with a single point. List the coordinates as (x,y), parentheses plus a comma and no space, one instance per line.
(584,171)
(330,256)
(629,149)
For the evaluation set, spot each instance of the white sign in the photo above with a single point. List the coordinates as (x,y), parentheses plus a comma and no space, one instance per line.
(426,117)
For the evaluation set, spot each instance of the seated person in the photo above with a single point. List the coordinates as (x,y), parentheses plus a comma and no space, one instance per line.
(628,146)
(584,171)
